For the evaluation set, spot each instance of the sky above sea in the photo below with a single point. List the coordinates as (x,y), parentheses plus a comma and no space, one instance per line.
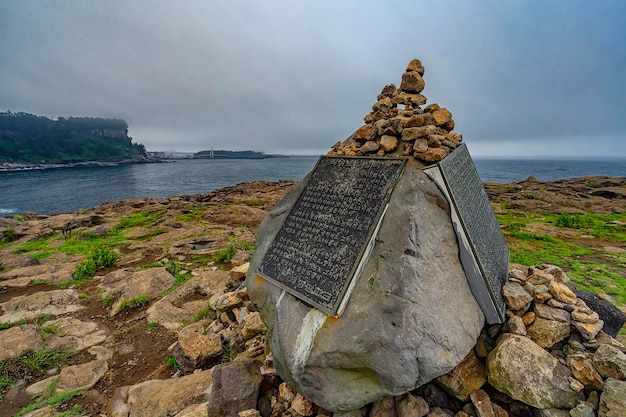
(521,78)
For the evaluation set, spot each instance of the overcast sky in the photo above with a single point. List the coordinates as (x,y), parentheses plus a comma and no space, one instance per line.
(544,78)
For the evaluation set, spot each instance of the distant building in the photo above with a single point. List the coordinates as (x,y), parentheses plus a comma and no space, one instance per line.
(155,154)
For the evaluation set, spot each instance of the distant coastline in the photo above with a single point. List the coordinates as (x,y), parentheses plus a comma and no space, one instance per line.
(12,167)
(222,154)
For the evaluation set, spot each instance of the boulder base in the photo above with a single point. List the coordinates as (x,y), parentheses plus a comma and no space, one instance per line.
(410,318)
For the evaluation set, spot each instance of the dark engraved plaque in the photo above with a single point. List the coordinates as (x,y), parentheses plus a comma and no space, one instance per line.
(484,252)
(326,237)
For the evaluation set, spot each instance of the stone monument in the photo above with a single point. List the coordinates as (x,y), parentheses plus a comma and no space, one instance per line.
(358,274)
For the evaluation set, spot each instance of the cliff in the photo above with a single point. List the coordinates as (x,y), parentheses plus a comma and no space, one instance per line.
(27,139)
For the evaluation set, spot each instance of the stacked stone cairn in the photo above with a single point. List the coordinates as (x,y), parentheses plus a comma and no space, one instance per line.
(398,126)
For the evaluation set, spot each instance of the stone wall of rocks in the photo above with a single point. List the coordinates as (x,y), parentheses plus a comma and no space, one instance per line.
(398,126)
(550,359)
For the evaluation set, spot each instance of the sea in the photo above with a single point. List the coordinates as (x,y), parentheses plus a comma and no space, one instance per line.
(64,190)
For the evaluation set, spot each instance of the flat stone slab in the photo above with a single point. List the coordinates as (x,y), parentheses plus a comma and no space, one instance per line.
(182,304)
(28,307)
(25,276)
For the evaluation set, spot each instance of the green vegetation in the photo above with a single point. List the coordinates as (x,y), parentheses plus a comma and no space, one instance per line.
(564,240)
(152,325)
(136,302)
(143,219)
(109,299)
(84,243)
(203,314)
(195,214)
(170,362)
(254,203)
(54,401)
(9,235)
(227,353)
(27,138)
(101,258)
(5,382)
(43,360)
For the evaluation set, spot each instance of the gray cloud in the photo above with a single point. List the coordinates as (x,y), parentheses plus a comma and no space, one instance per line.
(519,77)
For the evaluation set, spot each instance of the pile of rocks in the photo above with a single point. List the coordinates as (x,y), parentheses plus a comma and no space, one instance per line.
(427,134)
(550,359)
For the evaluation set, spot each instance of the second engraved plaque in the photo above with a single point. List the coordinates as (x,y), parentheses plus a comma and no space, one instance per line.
(327,235)
(483,249)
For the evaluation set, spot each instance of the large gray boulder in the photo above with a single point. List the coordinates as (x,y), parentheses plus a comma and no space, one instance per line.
(410,318)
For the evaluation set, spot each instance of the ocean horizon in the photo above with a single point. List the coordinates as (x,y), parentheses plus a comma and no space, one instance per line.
(60,190)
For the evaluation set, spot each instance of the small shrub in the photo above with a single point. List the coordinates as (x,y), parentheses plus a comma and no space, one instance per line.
(109,299)
(171,363)
(578,221)
(9,235)
(99,259)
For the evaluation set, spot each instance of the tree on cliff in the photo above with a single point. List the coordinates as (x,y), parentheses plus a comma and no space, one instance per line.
(29,138)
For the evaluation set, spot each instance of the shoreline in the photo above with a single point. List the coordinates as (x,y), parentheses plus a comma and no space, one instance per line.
(18,167)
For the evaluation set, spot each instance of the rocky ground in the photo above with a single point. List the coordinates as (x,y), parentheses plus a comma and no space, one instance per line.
(167,329)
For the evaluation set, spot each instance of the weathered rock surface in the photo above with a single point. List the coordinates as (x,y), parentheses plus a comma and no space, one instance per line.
(28,275)
(610,362)
(524,371)
(77,377)
(17,340)
(612,316)
(402,325)
(613,399)
(235,388)
(465,378)
(55,303)
(128,284)
(184,302)
(161,398)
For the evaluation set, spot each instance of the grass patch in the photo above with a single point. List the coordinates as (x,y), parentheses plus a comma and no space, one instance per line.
(49,329)
(6,382)
(170,362)
(590,266)
(4,326)
(227,353)
(151,234)
(195,214)
(109,299)
(205,313)
(144,219)
(44,360)
(136,302)
(54,401)
(224,255)
(100,258)
(152,325)
(254,203)
(33,246)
